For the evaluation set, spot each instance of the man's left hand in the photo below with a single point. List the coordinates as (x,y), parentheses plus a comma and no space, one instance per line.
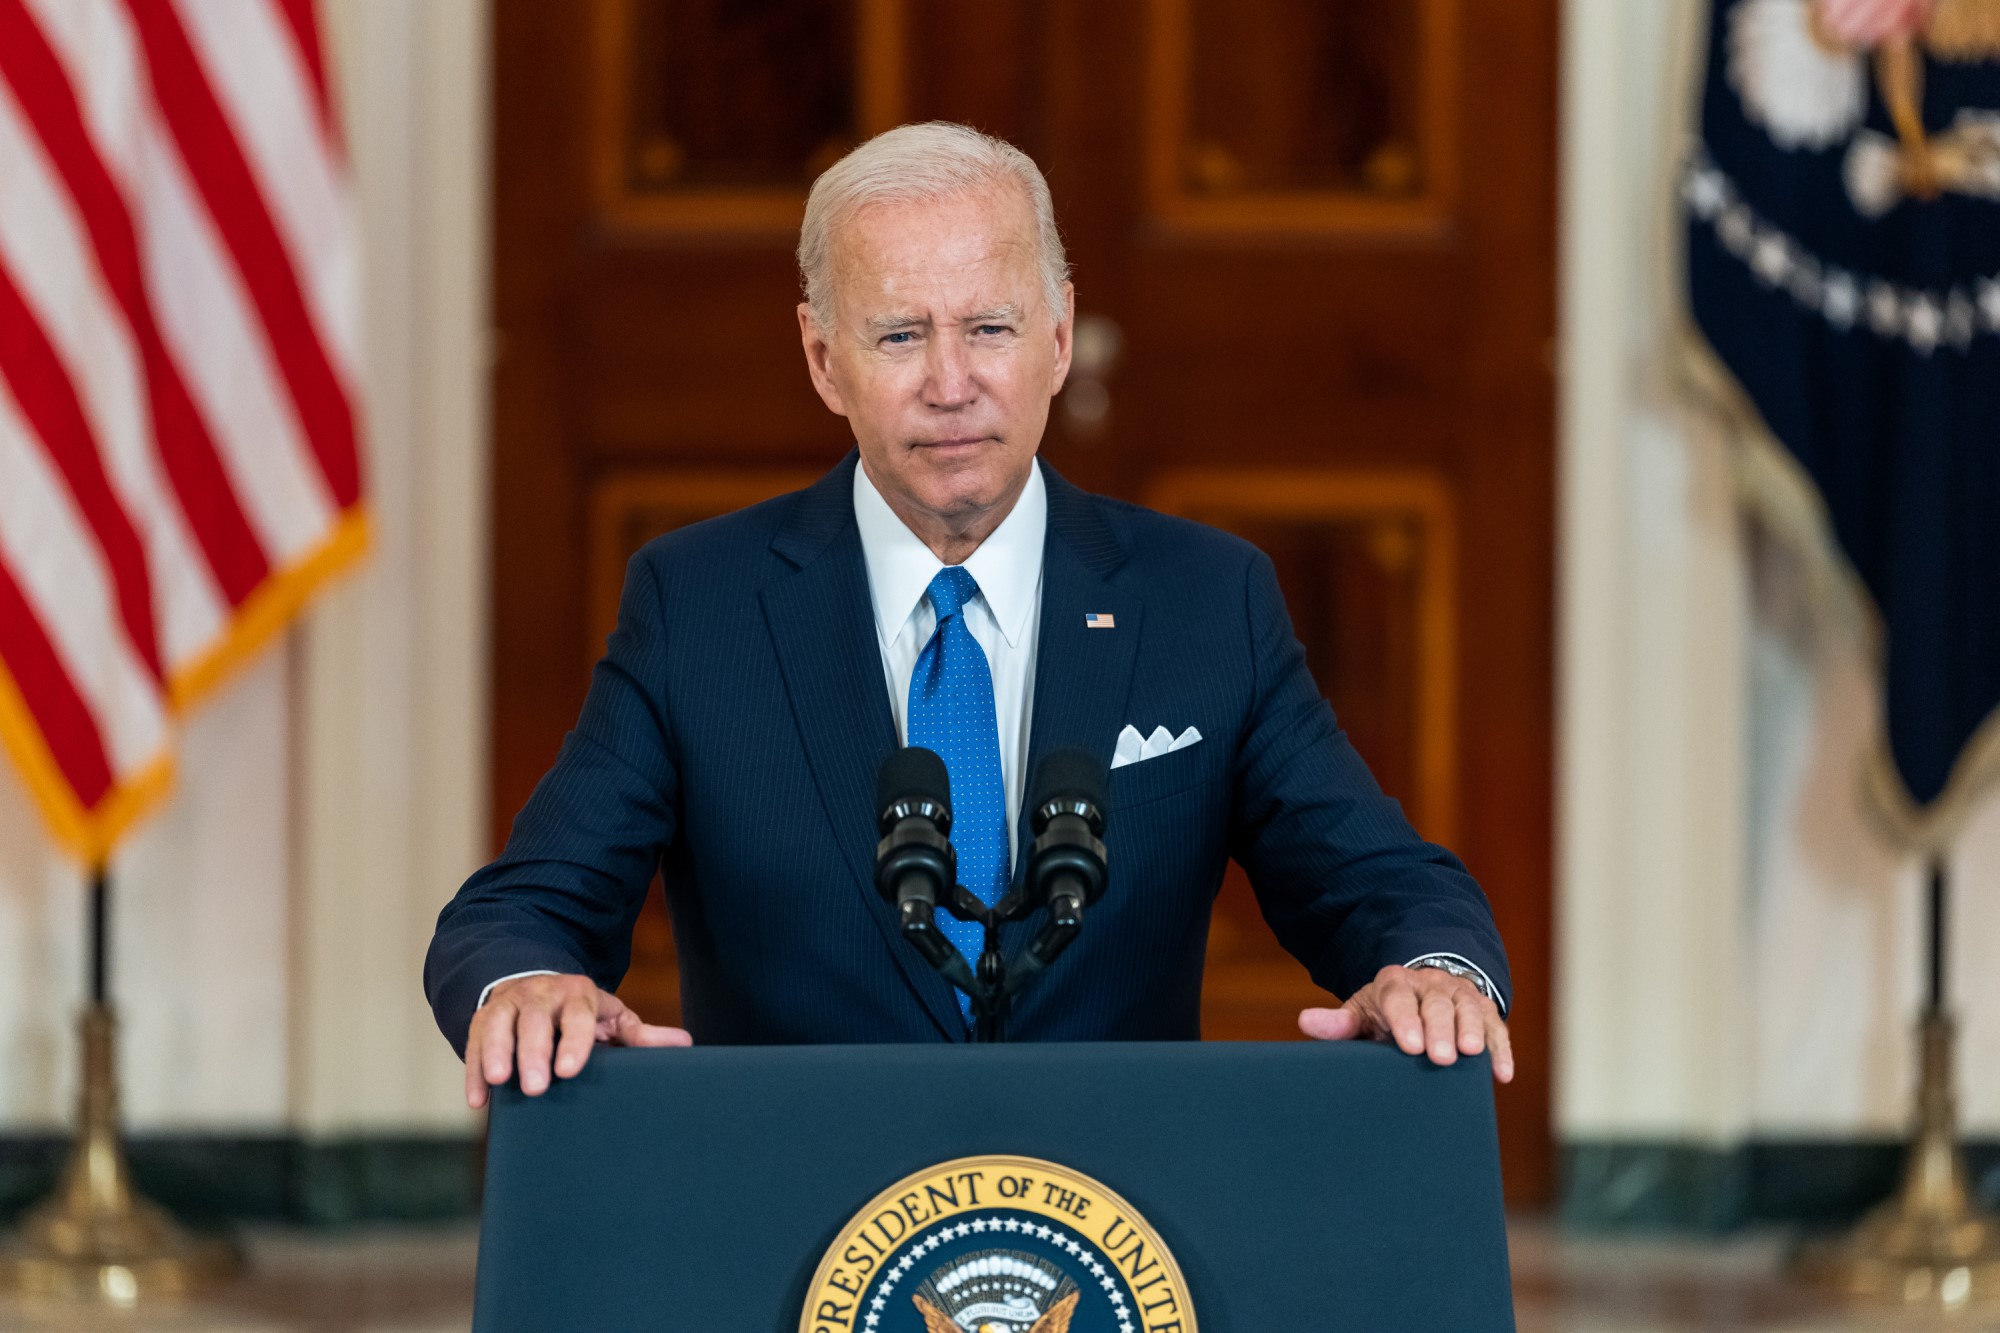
(1423,1011)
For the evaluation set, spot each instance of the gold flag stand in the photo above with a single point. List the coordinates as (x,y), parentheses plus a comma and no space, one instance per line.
(95,1239)
(1928,1248)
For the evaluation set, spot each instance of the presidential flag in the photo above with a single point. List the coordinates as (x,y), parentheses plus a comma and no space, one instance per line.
(1842,212)
(178,415)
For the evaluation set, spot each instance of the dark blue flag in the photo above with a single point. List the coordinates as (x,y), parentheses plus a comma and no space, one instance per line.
(1843,262)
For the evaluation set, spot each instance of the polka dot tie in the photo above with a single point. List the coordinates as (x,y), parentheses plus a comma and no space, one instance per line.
(952,713)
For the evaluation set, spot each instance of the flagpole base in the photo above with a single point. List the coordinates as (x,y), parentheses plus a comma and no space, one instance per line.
(1928,1248)
(95,1240)
(1886,1261)
(131,1260)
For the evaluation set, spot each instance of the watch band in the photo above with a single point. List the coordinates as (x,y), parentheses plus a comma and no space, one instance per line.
(1460,967)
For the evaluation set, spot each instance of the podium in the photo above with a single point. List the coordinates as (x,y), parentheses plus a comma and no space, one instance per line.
(1128,1188)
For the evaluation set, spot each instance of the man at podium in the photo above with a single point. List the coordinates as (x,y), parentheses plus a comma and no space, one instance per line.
(943,588)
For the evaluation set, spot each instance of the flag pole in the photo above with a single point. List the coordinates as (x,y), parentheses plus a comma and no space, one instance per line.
(1928,1247)
(95,1239)
(1939,962)
(100,934)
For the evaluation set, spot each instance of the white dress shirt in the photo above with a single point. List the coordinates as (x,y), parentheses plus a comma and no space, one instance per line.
(1005,618)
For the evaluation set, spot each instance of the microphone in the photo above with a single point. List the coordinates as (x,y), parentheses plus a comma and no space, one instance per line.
(915,865)
(1066,866)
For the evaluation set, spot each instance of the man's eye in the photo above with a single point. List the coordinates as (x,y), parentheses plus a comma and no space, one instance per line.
(898,339)
(991,328)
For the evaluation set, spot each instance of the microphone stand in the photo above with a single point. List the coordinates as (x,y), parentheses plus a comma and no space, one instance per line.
(990,1023)
(993,984)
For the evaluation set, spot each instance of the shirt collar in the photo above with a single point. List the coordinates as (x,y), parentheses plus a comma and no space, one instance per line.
(1007,566)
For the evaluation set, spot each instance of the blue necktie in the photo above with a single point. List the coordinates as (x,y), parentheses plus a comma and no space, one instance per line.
(951,712)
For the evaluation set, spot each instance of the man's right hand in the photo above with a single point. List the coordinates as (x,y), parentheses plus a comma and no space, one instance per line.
(520,1022)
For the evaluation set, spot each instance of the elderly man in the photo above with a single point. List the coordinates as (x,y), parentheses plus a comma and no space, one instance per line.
(941,587)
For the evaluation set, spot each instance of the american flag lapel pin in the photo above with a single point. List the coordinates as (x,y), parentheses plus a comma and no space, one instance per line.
(1099,620)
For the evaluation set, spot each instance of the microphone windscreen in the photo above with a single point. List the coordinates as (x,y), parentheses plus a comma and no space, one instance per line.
(912,774)
(1069,774)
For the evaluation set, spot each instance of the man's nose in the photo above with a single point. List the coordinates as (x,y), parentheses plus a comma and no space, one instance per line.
(949,382)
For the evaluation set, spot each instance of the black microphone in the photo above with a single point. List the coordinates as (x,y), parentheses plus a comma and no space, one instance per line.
(915,865)
(1066,866)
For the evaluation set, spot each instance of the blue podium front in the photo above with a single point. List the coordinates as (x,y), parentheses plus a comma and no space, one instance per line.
(1144,1188)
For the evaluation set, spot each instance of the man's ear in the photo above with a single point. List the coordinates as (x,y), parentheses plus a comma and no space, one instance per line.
(818,352)
(1065,339)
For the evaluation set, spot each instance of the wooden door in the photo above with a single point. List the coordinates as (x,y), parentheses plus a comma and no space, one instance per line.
(1314,251)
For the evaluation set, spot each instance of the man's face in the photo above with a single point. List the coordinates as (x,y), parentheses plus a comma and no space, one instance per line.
(943,355)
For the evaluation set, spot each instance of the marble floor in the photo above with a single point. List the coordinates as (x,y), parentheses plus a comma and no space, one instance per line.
(387,1280)
(1594,1284)
(420,1281)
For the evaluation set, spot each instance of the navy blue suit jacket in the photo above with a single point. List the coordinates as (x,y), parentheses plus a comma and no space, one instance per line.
(731,737)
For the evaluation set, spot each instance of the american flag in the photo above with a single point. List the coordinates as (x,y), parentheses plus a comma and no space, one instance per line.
(179,308)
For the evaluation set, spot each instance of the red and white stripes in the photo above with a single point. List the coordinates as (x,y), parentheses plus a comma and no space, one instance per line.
(179,307)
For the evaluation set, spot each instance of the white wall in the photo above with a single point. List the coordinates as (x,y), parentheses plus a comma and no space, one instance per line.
(1839,914)
(1650,984)
(392,789)
(1739,944)
(271,919)
(201,913)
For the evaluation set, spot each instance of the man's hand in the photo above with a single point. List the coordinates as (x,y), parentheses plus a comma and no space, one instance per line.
(1428,1010)
(519,1023)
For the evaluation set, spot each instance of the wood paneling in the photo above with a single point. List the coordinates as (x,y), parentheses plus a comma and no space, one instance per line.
(1336,346)
(1294,116)
(714,116)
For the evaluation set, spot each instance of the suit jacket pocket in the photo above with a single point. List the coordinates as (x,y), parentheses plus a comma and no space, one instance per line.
(1161,776)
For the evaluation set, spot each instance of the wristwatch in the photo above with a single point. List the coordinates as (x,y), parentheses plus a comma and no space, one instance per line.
(1460,967)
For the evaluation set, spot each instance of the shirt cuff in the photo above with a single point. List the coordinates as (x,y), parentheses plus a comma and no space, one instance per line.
(1460,966)
(512,976)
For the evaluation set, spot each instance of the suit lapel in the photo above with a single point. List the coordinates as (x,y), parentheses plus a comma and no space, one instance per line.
(1083,675)
(822,625)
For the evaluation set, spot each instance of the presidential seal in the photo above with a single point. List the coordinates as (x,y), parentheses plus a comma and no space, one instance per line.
(997,1245)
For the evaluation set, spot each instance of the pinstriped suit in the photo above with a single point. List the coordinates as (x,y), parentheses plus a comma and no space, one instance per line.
(731,737)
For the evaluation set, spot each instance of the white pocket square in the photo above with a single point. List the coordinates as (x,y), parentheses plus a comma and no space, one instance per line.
(1132,747)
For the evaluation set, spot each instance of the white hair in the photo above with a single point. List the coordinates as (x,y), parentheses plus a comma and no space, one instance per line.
(916,163)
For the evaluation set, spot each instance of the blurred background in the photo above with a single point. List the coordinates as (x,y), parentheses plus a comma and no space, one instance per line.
(1390,288)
